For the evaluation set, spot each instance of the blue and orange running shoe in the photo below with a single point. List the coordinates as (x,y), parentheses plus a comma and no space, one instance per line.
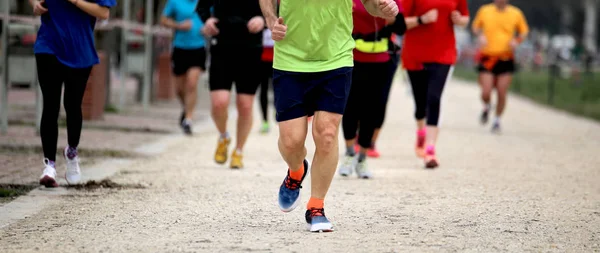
(317,222)
(289,192)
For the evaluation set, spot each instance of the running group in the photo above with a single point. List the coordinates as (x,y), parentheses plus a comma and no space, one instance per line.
(323,59)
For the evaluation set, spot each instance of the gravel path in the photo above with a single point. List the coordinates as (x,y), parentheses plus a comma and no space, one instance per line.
(533,188)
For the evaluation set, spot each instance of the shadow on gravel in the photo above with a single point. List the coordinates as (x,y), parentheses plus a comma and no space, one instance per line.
(9,192)
(104,184)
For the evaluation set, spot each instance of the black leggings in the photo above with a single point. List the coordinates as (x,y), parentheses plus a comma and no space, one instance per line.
(368,82)
(266,76)
(392,67)
(427,86)
(52,74)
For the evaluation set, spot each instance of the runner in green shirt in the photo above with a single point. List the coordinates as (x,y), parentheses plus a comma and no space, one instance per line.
(312,76)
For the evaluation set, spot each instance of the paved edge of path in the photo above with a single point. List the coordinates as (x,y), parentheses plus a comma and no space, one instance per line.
(39,198)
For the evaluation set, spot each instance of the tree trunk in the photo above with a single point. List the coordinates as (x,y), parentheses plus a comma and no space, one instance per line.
(590,26)
(566,18)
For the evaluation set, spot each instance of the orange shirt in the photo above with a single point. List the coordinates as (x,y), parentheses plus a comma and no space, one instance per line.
(499,28)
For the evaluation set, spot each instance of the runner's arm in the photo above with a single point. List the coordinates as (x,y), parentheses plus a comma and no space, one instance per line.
(94,9)
(268,11)
(477,25)
(398,25)
(410,19)
(463,9)
(203,9)
(166,19)
(372,8)
(522,27)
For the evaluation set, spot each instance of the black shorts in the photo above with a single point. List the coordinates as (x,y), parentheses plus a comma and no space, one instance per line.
(501,67)
(234,64)
(184,59)
(302,94)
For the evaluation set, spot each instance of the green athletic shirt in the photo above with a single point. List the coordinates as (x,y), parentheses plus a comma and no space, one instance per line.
(318,38)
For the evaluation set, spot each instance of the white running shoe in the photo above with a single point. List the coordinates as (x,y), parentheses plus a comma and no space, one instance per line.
(347,166)
(362,170)
(48,177)
(73,174)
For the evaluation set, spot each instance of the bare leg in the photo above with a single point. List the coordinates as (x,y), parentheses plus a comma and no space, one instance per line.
(219,106)
(502,86)
(325,133)
(191,91)
(244,124)
(486,81)
(292,135)
(420,123)
(180,88)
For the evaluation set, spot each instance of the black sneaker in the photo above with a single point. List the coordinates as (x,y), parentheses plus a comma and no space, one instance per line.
(484,117)
(317,222)
(182,118)
(186,125)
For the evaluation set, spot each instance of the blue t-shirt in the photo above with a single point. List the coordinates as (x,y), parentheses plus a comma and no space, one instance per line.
(67,32)
(182,10)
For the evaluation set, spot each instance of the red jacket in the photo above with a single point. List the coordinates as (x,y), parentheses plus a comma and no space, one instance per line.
(435,42)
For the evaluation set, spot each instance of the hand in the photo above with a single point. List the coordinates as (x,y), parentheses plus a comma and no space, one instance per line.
(514,43)
(185,25)
(38,9)
(278,30)
(210,28)
(430,17)
(455,16)
(388,8)
(256,24)
(482,40)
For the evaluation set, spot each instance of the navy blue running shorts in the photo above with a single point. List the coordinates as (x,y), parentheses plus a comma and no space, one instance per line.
(302,94)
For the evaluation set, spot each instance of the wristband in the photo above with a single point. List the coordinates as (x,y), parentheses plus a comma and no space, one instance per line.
(419,20)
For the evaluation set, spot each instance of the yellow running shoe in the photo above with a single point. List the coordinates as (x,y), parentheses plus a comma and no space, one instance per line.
(221,153)
(236,160)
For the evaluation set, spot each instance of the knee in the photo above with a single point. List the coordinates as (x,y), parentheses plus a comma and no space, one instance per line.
(191,86)
(485,94)
(290,143)
(325,136)
(433,100)
(219,105)
(244,108)
(71,107)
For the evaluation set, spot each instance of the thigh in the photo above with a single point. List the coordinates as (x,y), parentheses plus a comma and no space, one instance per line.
(503,82)
(220,77)
(438,77)
(333,90)
(418,81)
(376,85)
(248,75)
(289,89)
(197,58)
(75,84)
(486,81)
(504,67)
(179,62)
(51,74)
(359,75)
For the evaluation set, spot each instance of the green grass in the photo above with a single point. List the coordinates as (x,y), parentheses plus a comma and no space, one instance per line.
(9,192)
(579,96)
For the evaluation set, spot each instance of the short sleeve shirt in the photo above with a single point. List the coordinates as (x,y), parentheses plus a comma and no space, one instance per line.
(319,36)
(182,10)
(67,32)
